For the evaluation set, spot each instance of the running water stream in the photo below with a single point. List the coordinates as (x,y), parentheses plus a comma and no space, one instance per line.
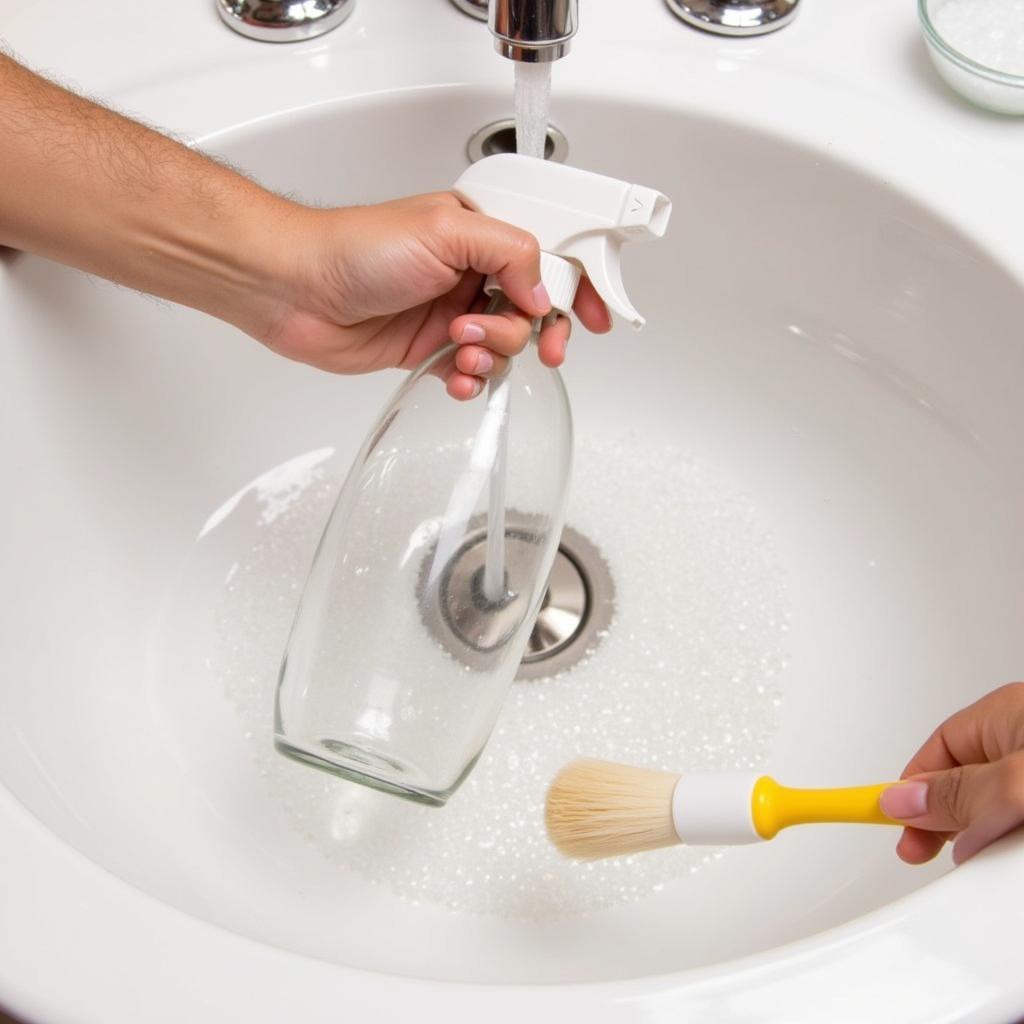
(532,102)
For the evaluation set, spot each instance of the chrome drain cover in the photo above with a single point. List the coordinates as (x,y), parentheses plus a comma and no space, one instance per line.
(500,137)
(576,610)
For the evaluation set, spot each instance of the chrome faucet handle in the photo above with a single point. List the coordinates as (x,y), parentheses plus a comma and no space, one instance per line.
(735,17)
(474,8)
(283,21)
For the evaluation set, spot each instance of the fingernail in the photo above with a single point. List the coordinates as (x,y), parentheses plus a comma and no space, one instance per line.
(904,801)
(541,299)
(484,362)
(478,386)
(472,333)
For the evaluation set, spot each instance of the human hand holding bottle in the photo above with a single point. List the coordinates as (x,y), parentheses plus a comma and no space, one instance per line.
(966,783)
(388,285)
(348,290)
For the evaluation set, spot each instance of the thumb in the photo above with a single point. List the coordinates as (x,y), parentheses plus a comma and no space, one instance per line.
(980,801)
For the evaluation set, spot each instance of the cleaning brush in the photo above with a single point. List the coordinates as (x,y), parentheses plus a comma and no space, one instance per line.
(600,809)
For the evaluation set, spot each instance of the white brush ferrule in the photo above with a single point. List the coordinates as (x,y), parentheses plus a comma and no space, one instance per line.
(715,809)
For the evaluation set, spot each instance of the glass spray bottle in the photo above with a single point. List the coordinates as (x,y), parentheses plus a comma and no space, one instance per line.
(434,562)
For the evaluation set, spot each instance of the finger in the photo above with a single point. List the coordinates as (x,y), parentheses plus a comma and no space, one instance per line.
(937,801)
(932,756)
(467,240)
(961,798)
(916,846)
(590,308)
(998,808)
(480,362)
(506,333)
(985,831)
(554,338)
(983,731)
(463,387)
(444,368)
(430,334)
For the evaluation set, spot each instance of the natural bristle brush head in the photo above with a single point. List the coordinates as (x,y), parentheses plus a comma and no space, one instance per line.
(600,809)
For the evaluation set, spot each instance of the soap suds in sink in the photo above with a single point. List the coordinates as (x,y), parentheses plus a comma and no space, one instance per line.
(686,678)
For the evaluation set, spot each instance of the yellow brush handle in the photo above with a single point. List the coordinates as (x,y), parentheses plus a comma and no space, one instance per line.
(776,807)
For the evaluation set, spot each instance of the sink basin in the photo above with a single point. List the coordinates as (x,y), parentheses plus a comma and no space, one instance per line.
(839,358)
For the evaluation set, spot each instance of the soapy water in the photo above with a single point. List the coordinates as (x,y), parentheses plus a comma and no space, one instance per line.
(687,677)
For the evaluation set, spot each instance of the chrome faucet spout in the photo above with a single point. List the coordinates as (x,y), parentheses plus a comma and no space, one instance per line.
(533,31)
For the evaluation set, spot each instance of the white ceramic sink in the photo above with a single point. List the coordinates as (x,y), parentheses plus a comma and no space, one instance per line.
(844,358)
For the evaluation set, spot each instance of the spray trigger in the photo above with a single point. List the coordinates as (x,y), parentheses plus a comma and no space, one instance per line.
(581,220)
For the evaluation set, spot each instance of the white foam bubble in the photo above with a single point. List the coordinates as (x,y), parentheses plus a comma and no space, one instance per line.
(687,678)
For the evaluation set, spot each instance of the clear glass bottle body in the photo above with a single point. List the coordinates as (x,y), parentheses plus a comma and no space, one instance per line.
(427,581)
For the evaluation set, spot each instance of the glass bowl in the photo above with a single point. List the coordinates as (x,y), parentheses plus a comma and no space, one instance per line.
(987,87)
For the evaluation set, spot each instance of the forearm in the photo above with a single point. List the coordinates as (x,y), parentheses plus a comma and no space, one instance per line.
(85,186)
(349,290)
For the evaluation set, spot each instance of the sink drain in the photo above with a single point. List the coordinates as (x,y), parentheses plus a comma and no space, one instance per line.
(500,137)
(576,609)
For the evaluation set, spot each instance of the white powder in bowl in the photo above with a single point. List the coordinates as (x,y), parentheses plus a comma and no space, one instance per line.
(989,32)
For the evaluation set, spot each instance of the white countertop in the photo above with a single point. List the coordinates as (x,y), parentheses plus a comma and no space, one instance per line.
(125,52)
(853,80)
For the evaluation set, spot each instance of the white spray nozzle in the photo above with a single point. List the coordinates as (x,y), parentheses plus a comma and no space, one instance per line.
(577,215)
